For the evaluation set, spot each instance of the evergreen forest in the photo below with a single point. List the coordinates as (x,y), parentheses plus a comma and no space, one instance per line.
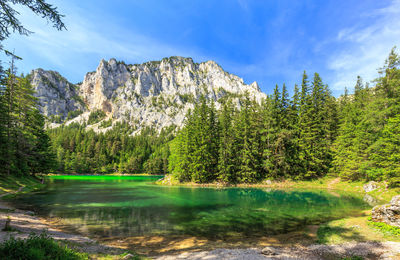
(304,136)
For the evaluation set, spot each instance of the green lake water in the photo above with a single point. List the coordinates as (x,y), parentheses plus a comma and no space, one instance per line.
(124,206)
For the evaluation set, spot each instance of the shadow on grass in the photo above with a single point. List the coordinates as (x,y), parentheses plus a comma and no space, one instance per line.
(332,244)
(326,234)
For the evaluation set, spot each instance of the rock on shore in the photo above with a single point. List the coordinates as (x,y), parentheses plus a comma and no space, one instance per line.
(388,213)
(370,186)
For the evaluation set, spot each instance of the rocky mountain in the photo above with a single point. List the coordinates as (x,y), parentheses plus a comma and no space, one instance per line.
(156,93)
(56,95)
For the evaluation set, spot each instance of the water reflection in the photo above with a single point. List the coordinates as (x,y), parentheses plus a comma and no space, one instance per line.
(133,207)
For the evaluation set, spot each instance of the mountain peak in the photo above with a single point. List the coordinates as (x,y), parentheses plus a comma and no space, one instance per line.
(155,93)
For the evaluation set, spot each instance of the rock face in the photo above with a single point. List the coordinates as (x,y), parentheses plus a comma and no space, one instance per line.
(157,93)
(389,213)
(56,95)
(370,186)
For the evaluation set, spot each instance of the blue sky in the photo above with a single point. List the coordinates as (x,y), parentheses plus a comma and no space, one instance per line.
(267,41)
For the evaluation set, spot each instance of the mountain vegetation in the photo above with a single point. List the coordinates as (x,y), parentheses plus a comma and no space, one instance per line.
(24,143)
(305,136)
(79,150)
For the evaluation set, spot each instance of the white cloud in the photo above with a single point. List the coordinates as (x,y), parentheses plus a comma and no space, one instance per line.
(84,37)
(365,48)
(87,37)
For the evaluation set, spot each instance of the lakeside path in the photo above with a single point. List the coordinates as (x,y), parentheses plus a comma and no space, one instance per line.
(25,222)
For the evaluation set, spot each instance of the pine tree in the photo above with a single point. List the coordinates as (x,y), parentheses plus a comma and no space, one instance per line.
(305,126)
(227,160)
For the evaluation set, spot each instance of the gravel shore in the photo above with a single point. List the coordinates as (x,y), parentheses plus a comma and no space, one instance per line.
(25,222)
(366,250)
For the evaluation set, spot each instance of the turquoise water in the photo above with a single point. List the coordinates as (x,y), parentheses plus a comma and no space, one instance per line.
(104,206)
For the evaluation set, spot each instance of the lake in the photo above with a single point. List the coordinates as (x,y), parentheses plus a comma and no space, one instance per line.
(125,206)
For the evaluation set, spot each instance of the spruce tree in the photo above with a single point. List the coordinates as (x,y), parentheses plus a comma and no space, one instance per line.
(227,160)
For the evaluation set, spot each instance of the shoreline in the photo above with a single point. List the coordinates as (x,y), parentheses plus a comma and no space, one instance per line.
(382,194)
(325,183)
(25,222)
(187,247)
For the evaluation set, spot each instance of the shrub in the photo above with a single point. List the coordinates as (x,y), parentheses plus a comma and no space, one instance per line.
(96,116)
(37,247)
(106,123)
(73,114)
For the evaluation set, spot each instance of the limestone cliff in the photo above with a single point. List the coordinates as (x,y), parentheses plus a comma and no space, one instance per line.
(57,97)
(157,93)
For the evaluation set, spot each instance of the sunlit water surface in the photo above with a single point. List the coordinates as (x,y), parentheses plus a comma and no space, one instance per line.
(124,206)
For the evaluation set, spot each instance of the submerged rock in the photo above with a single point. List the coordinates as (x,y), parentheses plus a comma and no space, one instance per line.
(388,213)
(370,186)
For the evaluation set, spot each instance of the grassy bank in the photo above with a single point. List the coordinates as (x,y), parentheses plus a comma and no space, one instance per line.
(337,231)
(38,247)
(358,229)
(42,246)
(12,184)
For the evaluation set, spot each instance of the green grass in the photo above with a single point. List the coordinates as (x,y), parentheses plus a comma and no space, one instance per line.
(385,228)
(385,194)
(382,193)
(11,183)
(358,229)
(336,234)
(40,247)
